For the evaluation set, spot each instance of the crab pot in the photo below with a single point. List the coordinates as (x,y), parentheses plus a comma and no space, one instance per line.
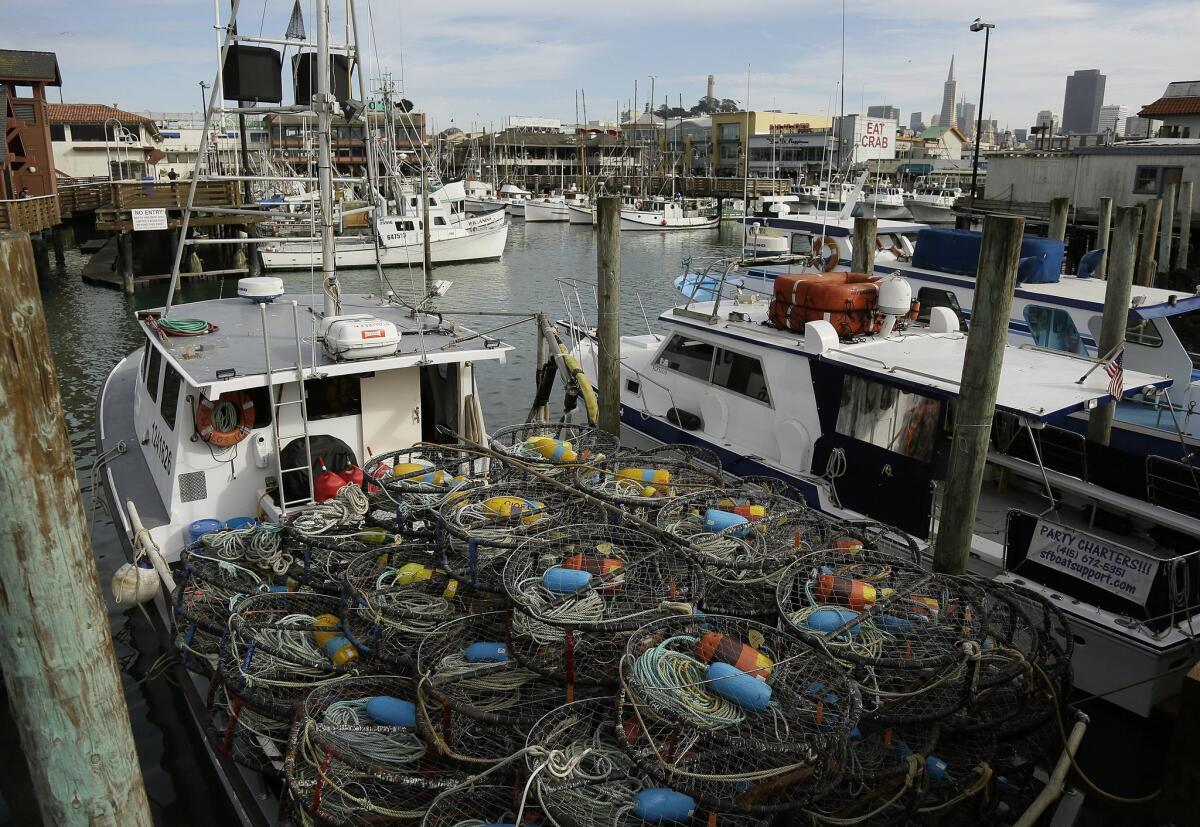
(645,482)
(393,598)
(477,701)
(201,611)
(578,591)
(739,715)
(407,487)
(486,803)
(251,735)
(320,561)
(484,524)
(263,548)
(916,639)
(556,448)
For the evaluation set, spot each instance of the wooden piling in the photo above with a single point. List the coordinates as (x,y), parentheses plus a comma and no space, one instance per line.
(999,253)
(426,243)
(1116,310)
(1185,225)
(862,256)
(608,310)
(60,247)
(1059,209)
(125,257)
(56,652)
(1103,227)
(1151,211)
(1167,227)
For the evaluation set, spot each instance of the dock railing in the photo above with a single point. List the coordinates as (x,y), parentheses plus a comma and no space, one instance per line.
(29,215)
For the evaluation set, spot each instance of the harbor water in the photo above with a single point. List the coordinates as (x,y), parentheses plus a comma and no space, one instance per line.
(92,328)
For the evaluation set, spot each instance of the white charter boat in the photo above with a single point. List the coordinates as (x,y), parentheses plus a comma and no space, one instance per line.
(555,207)
(668,214)
(883,200)
(932,203)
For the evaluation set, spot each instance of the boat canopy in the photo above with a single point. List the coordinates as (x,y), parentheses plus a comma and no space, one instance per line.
(957,251)
(1035,383)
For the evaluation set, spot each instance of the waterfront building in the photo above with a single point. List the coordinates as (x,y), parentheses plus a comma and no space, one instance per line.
(731,132)
(1082,102)
(1112,119)
(92,140)
(1178,110)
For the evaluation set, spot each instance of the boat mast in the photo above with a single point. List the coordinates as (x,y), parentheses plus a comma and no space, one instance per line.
(333,303)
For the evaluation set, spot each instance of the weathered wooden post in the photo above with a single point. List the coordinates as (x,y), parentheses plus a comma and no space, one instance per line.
(1185,225)
(1151,211)
(125,240)
(60,247)
(56,652)
(425,220)
(1116,310)
(1103,230)
(997,275)
(1059,209)
(1167,228)
(608,311)
(862,257)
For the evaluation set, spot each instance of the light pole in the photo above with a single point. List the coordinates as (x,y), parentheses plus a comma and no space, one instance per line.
(986,28)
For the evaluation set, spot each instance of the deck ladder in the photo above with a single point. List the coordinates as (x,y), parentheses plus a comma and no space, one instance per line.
(286,505)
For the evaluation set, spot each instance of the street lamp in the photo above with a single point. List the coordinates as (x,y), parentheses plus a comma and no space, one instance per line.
(986,28)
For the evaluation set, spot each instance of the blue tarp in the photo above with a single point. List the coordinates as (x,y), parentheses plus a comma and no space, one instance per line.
(957,251)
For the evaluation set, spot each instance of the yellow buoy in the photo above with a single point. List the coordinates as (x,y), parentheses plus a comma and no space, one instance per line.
(511,506)
(336,647)
(555,450)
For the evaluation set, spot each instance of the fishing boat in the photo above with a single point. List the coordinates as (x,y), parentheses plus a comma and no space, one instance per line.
(580,214)
(838,387)
(555,207)
(513,199)
(665,214)
(764,206)
(479,197)
(932,203)
(808,197)
(883,200)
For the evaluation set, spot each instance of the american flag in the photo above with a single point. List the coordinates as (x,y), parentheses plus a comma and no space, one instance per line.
(1116,375)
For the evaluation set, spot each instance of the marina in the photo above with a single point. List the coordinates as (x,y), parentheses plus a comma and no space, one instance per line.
(704,466)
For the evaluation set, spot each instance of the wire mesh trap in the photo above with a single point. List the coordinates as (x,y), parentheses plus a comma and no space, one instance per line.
(915,640)
(356,755)
(477,702)
(645,482)
(207,588)
(261,547)
(744,537)
(737,714)
(582,777)
(475,804)
(579,590)
(408,486)
(394,598)
(485,523)
(551,447)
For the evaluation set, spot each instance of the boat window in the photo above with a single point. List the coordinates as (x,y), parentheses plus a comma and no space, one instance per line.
(740,374)
(145,358)
(152,372)
(1187,328)
(405,225)
(1142,332)
(689,356)
(332,397)
(801,244)
(169,406)
(1053,327)
(930,297)
(439,221)
(888,417)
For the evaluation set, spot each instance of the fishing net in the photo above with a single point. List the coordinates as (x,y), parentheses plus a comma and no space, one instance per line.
(207,588)
(485,523)
(737,714)
(408,486)
(394,598)
(357,757)
(474,804)
(914,640)
(743,537)
(579,590)
(552,447)
(645,482)
(477,702)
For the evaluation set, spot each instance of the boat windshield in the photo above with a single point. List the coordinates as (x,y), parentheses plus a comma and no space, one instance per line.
(1187,328)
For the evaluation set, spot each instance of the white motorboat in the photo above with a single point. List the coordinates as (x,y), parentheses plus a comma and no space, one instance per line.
(808,197)
(668,214)
(932,203)
(882,201)
(479,197)
(577,214)
(554,207)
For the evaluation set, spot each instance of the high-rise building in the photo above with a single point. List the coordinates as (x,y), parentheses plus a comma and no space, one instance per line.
(990,131)
(1112,119)
(1136,127)
(965,113)
(712,87)
(948,117)
(1051,119)
(1020,136)
(889,112)
(1082,102)
(916,122)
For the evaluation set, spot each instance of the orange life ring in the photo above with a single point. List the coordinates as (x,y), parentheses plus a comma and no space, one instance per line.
(824,241)
(213,422)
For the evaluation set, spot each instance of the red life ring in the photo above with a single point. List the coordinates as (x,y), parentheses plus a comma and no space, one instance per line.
(822,242)
(227,421)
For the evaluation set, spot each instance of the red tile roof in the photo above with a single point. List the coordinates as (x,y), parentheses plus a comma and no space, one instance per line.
(1171,106)
(92,113)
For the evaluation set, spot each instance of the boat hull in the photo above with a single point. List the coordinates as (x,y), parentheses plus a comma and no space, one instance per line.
(481,245)
(515,210)
(580,215)
(635,221)
(867,209)
(930,213)
(546,211)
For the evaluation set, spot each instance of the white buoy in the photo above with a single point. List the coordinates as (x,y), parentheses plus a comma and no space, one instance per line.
(134,584)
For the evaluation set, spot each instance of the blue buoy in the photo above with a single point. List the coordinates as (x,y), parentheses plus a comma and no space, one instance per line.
(659,804)
(241,522)
(716,520)
(389,711)
(564,581)
(935,768)
(199,528)
(827,620)
(893,624)
(482,652)
(735,685)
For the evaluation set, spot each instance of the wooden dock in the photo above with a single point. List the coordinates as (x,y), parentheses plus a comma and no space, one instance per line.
(103,269)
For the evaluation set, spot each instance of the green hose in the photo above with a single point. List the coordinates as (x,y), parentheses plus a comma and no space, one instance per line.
(184,327)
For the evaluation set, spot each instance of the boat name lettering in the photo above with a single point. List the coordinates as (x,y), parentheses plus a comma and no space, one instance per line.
(1118,570)
(161,448)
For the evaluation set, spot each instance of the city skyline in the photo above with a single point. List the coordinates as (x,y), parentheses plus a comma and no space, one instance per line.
(469,69)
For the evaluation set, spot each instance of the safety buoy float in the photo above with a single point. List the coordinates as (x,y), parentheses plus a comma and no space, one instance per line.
(663,222)
(227,421)
(823,242)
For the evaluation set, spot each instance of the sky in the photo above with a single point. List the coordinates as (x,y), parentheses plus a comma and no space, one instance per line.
(469,64)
